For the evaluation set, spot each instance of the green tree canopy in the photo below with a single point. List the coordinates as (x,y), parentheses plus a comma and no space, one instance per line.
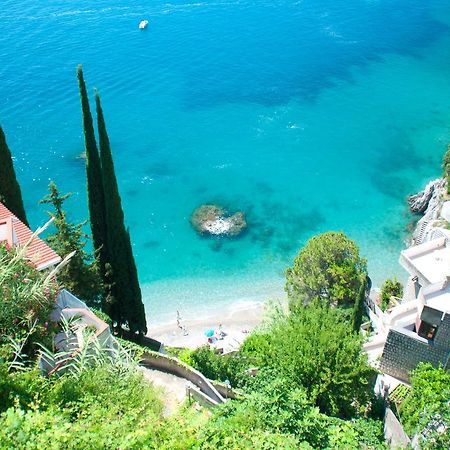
(80,276)
(274,405)
(10,193)
(316,349)
(328,268)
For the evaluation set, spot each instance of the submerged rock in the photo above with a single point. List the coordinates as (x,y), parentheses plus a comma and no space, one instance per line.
(214,220)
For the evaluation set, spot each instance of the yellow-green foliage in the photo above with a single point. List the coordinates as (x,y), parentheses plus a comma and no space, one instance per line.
(27,298)
(390,288)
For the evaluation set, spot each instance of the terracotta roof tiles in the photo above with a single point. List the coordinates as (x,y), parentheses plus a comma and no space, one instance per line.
(17,233)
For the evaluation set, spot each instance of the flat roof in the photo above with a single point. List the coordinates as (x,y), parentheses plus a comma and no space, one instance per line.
(429,261)
(437,296)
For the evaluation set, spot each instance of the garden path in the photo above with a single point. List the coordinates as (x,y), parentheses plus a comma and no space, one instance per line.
(174,388)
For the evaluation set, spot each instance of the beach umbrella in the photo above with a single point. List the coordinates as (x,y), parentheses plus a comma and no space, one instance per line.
(209,333)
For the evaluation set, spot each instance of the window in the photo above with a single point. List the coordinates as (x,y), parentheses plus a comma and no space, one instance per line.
(427,331)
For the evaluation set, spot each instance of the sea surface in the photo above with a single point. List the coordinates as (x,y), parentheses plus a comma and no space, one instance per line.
(308,115)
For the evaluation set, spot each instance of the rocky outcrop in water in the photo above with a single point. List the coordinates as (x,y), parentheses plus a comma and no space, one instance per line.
(427,202)
(214,220)
(427,199)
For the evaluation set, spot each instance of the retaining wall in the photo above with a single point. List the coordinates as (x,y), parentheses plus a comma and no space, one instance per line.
(174,366)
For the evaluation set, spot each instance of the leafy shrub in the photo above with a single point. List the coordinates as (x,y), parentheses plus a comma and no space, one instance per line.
(81,275)
(19,388)
(390,288)
(185,355)
(427,409)
(220,367)
(27,299)
(274,404)
(100,409)
(317,350)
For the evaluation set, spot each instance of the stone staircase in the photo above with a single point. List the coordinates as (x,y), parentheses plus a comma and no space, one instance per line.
(421,232)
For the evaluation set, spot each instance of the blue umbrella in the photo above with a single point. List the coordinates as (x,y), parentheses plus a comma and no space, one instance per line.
(209,333)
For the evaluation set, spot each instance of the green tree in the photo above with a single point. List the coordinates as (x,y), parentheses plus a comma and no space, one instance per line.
(358,307)
(80,276)
(328,268)
(10,193)
(96,200)
(126,307)
(390,288)
(316,349)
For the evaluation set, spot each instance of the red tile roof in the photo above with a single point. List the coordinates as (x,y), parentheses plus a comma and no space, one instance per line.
(17,233)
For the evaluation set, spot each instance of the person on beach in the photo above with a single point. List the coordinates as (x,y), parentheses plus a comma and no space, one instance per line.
(183,328)
(221,333)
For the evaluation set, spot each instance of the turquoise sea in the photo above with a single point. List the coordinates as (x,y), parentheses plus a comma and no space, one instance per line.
(307,115)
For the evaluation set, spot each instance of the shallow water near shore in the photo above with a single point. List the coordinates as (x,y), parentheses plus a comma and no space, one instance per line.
(306,115)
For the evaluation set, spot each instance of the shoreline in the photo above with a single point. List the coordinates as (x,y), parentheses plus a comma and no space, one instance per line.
(213,297)
(236,321)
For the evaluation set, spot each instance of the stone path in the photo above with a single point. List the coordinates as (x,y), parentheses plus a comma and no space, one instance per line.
(174,388)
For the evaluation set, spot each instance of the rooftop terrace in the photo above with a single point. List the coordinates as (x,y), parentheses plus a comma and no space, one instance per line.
(430,261)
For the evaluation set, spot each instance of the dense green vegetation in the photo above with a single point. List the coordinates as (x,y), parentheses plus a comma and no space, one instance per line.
(26,299)
(313,384)
(312,390)
(273,403)
(426,410)
(10,193)
(80,276)
(317,350)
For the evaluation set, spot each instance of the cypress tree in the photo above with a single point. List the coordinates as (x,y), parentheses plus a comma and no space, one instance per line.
(96,196)
(10,193)
(127,307)
(358,307)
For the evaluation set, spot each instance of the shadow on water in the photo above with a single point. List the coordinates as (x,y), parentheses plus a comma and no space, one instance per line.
(309,48)
(388,167)
(151,244)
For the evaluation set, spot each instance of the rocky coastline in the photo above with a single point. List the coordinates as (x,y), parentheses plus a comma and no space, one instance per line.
(432,205)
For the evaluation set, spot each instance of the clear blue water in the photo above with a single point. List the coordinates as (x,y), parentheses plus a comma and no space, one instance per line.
(307,115)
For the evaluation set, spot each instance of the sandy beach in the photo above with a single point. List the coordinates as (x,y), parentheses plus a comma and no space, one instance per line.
(236,322)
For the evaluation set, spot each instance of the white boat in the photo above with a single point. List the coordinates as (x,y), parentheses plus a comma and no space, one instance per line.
(143,24)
